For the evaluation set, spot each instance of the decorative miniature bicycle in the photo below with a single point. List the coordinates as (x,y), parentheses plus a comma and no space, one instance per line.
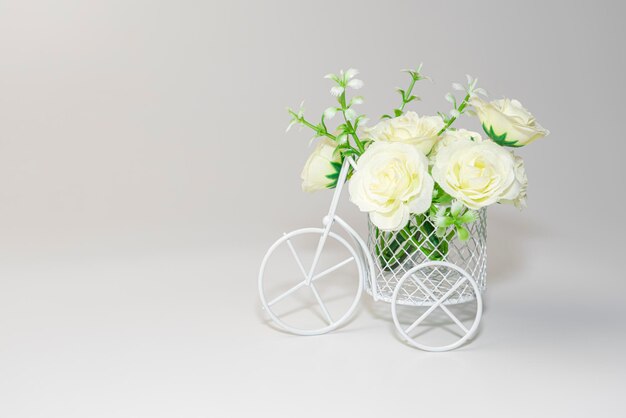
(425,186)
(423,284)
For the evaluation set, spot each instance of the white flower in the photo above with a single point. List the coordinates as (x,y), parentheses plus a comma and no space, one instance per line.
(520,176)
(408,128)
(450,137)
(391,181)
(476,173)
(336,91)
(458,86)
(351,73)
(355,83)
(507,122)
(322,163)
(350,115)
(330,112)
(356,100)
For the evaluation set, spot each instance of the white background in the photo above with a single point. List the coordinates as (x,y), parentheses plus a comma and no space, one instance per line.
(144,170)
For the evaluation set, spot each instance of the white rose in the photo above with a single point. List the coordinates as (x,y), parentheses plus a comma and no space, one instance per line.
(478,174)
(408,128)
(321,169)
(507,122)
(450,137)
(520,176)
(391,181)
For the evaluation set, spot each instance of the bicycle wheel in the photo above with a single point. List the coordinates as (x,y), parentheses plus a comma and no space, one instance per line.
(415,323)
(305,300)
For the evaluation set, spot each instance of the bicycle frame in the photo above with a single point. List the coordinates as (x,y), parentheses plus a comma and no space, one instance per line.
(331,218)
(360,254)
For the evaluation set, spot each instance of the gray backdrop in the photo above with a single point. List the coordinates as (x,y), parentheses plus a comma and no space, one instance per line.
(144,169)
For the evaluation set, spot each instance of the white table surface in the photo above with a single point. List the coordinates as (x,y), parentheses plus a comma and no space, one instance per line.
(180,334)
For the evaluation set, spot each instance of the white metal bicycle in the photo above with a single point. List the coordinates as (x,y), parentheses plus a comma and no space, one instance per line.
(457,286)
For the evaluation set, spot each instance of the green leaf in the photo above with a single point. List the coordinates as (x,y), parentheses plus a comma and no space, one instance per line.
(440,196)
(463,233)
(499,139)
(359,119)
(385,117)
(334,176)
(336,165)
(402,93)
(469,217)
(397,112)
(413,73)
(349,152)
(445,222)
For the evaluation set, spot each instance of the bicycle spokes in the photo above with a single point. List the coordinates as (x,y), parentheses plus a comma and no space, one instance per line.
(305,293)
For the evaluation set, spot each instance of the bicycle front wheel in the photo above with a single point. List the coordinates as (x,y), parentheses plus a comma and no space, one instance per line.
(308,299)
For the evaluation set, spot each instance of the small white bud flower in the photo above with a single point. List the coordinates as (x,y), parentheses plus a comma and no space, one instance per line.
(480,90)
(293,122)
(301,110)
(330,112)
(350,114)
(456,207)
(351,73)
(357,100)
(355,83)
(336,91)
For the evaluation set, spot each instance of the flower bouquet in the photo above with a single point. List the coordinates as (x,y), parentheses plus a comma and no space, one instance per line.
(424,183)
(422,180)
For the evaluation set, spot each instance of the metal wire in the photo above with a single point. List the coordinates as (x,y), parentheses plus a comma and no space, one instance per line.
(394,253)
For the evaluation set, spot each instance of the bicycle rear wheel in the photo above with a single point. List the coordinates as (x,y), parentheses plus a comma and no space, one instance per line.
(457,320)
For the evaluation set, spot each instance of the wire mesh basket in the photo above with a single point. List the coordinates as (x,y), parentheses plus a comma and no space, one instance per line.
(394,253)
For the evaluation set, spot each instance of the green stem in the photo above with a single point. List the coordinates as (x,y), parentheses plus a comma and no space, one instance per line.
(450,235)
(357,141)
(320,132)
(434,240)
(461,108)
(315,128)
(391,251)
(406,234)
(407,242)
(410,238)
(408,93)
